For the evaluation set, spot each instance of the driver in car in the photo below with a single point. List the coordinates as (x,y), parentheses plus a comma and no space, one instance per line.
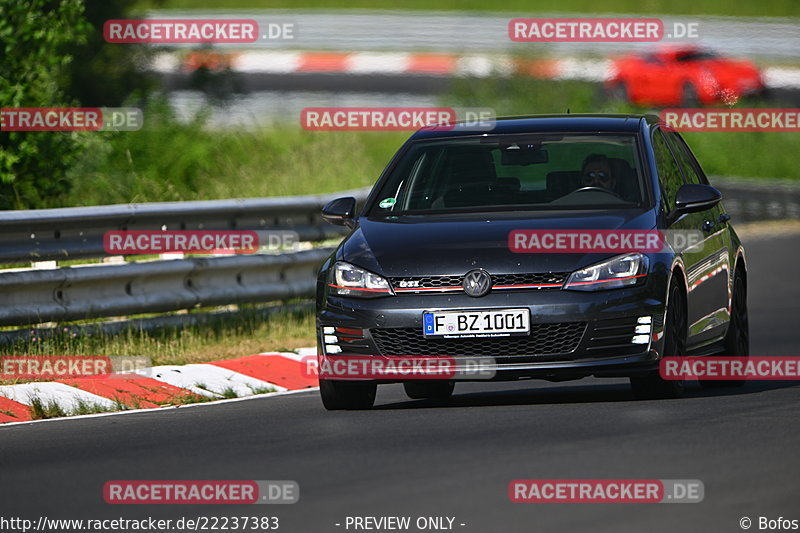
(597,172)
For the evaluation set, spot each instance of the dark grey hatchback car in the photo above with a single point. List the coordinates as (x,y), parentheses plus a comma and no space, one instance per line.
(432,265)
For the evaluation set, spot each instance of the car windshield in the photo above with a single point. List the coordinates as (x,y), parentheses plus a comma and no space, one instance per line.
(503,173)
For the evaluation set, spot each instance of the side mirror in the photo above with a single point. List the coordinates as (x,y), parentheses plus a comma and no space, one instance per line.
(693,197)
(340,212)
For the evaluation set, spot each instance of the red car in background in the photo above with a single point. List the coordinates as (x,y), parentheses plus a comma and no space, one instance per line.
(683,76)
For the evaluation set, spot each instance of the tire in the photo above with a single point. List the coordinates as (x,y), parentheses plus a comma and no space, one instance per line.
(689,96)
(737,340)
(350,395)
(429,389)
(650,386)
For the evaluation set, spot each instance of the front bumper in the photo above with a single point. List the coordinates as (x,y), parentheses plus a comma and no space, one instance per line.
(573,334)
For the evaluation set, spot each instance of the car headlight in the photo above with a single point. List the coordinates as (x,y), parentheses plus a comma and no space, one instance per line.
(350,280)
(621,271)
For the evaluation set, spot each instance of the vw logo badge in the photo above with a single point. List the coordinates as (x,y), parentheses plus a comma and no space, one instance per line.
(477,283)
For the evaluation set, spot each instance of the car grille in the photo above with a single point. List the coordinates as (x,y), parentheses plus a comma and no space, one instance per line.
(544,280)
(544,339)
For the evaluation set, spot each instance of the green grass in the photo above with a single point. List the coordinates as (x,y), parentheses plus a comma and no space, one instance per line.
(226,394)
(41,410)
(750,154)
(169,161)
(262,390)
(246,332)
(229,393)
(769,8)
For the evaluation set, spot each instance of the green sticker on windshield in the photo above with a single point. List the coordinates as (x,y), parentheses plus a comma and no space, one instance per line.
(387,203)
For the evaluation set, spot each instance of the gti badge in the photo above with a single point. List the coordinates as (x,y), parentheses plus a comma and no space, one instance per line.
(477,283)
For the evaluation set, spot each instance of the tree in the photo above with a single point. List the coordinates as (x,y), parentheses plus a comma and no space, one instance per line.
(52,54)
(106,74)
(34,36)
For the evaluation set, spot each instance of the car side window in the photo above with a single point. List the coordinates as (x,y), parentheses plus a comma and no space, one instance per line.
(423,173)
(669,173)
(686,160)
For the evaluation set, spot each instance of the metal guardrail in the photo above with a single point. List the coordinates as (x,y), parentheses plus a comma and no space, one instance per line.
(33,296)
(92,291)
(77,232)
(749,200)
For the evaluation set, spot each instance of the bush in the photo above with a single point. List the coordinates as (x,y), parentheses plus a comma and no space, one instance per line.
(33,61)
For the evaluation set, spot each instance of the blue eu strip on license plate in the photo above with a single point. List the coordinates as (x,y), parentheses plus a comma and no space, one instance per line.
(427,322)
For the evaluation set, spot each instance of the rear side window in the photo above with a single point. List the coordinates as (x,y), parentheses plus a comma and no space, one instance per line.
(669,173)
(686,160)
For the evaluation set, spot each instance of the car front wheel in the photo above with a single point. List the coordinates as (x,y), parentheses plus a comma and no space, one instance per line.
(737,340)
(651,386)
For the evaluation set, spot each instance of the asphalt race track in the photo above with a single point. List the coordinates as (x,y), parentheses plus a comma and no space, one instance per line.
(410,458)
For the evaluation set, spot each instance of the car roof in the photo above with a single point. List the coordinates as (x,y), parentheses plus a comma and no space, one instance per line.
(564,123)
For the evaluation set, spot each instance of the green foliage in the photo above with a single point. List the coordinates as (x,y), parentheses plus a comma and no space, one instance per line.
(755,154)
(251,329)
(106,74)
(52,54)
(172,161)
(33,61)
(523,95)
(41,410)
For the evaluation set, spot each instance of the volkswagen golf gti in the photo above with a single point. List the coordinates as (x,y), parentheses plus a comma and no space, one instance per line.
(462,250)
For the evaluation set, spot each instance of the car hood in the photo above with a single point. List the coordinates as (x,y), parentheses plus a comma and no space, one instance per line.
(453,245)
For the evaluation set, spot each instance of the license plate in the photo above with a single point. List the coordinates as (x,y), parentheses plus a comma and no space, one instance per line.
(485,323)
